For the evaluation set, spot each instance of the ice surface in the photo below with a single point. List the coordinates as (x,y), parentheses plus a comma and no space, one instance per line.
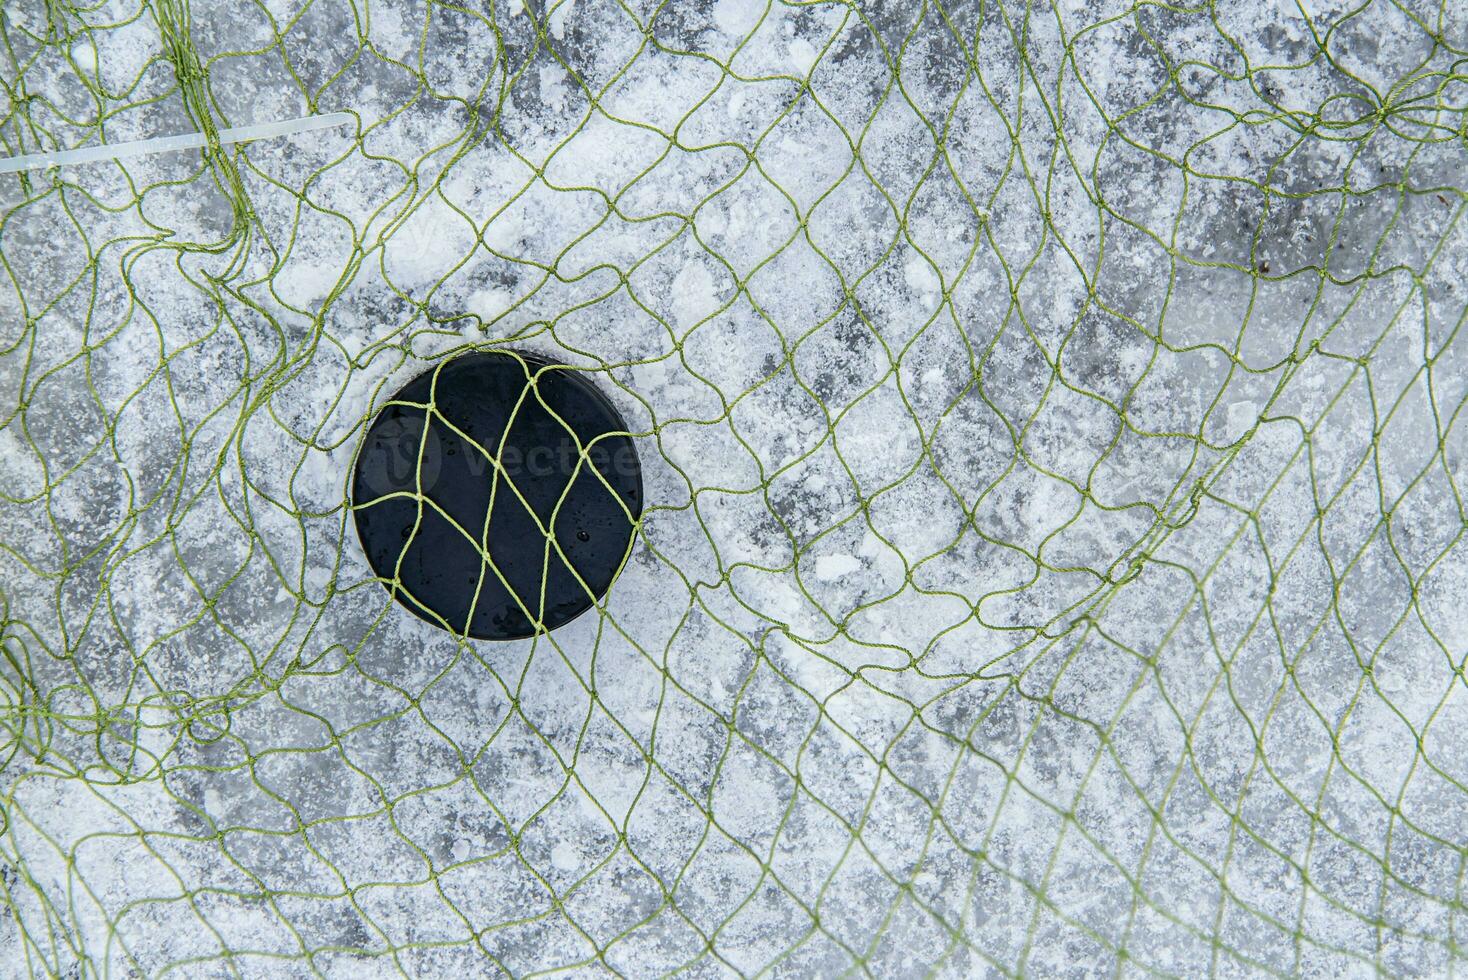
(1051,420)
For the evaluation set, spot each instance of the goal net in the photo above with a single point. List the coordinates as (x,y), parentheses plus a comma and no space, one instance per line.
(1051,428)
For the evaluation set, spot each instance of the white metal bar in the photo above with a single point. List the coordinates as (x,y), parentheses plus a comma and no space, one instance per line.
(183,141)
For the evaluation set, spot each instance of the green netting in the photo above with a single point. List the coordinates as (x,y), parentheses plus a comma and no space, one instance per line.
(1053,556)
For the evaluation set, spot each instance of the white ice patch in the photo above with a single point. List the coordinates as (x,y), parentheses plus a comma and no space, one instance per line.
(427,245)
(921,279)
(802,55)
(490,303)
(694,295)
(85,57)
(565,856)
(1241,416)
(552,87)
(831,567)
(738,17)
(558,18)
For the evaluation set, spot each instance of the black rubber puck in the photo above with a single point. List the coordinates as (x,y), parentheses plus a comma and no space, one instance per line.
(496,495)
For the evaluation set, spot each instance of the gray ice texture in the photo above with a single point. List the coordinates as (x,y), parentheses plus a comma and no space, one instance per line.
(1052,424)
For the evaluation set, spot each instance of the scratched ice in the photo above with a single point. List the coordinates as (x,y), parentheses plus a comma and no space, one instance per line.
(1052,427)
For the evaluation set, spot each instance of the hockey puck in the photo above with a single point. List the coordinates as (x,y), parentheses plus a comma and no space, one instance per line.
(496,495)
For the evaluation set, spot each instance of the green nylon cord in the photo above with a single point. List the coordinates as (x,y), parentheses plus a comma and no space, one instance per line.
(1174,685)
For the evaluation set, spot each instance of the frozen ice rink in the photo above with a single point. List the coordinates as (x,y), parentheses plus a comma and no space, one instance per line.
(1052,428)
